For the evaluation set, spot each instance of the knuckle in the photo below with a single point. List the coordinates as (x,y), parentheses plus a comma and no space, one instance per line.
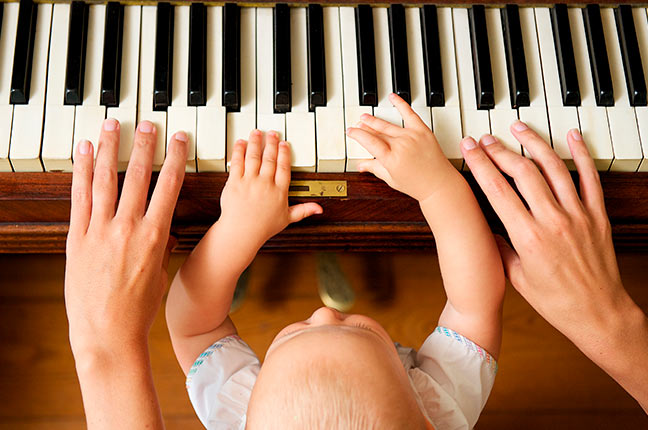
(524,168)
(498,186)
(80,195)
(138,171)
(105,175)
(554,163)
(124,227)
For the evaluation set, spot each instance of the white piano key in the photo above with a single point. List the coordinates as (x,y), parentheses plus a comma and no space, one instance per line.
(352,109)
(267,119)
(240,124)
(180,116)
(385,110)
(7,47)
(534,115)
(503,115)
(329,119)
(27,127)
(126,112)
(640,20)
(300,123)
(561,118)
(475,122)
(58,130)
(593,118)
(90,114)
(623,120)
(416,66)
(145,93)
(210,129)
(446,120)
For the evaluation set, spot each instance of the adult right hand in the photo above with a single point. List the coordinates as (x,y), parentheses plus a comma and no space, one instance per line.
(562,260)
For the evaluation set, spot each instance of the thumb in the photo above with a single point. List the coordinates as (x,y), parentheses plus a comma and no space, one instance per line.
(510,261)
(299,212)
(376,168)
(171,243)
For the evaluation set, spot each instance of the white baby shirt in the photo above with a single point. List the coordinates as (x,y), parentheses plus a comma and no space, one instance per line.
(451,376)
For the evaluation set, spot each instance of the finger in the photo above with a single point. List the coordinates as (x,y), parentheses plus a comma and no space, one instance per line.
(528,178)
(299,212)
(237,164)
(410,118)
(511,262)
(104,184)
(253,153)
(553,168)
(590,183)
(269,163)
(282,175)
(169,183)
(81,189)
(501,196)
(132,202)
(380,125)
(376,168)
(369,141)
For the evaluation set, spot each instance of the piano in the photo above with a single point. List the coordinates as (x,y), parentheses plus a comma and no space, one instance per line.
(308,71)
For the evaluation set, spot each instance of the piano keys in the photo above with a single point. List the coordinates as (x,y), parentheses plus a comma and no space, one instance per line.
(310,72)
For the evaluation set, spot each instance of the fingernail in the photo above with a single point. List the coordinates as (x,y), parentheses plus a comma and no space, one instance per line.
(575,134)
(349,130)
(110,124)
(145,127)
(358,124)
(239,142)
(181,136)
(273,133)
(469,143)
(519,126)
(257,132)
(487,139)
(84,147)
(319,211)
(364,116)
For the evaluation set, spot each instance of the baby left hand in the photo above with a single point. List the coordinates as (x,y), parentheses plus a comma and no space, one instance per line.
(254,202)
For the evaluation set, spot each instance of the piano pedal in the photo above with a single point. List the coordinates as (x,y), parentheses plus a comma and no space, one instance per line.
(333,286)
(240,290)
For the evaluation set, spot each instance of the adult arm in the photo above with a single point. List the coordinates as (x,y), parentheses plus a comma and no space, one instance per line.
(116,274)
(562,258)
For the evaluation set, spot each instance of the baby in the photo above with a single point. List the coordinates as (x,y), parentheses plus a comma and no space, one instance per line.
(333,370)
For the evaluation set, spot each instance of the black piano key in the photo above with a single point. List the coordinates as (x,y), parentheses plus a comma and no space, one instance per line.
(598,55)
(23,54)
(282,66)
(634,72)
(232,57)
(76,53)
(398,50)
(112,54)
(515,58)
(316,56)
(481,58)
(163,69)
(367,81)
(197,82)
(432,56)
(565,55)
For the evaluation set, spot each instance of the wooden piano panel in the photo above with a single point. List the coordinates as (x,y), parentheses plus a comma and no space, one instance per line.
(34,212)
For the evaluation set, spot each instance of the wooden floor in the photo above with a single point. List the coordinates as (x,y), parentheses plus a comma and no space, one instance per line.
(543,381)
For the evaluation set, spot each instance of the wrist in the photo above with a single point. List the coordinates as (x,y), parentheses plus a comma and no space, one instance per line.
(105,358)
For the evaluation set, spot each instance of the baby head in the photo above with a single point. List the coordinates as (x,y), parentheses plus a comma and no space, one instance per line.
(333,371)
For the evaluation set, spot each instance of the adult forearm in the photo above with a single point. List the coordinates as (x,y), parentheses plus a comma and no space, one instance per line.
(202,291)
(117,388)
(619,346)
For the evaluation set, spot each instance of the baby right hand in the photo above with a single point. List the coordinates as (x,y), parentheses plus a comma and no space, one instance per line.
(408,158)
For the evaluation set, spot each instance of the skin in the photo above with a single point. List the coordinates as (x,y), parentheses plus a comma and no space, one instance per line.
(562,258)
(117,257)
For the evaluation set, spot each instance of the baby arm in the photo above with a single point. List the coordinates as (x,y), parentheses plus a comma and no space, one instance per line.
(254,207)
(410,160)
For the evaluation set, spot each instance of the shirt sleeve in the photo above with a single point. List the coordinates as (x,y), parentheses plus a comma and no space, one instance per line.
(220,383)
(461,376)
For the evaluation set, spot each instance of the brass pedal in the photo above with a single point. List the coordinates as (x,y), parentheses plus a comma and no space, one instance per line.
(333,286)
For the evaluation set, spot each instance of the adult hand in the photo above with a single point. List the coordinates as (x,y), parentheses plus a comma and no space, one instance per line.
(116,272)
(562,260)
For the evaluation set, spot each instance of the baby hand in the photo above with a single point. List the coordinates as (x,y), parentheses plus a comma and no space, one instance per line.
(408,159)
(254,202)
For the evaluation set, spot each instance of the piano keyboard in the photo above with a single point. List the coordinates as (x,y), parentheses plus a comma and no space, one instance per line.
(217,72)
